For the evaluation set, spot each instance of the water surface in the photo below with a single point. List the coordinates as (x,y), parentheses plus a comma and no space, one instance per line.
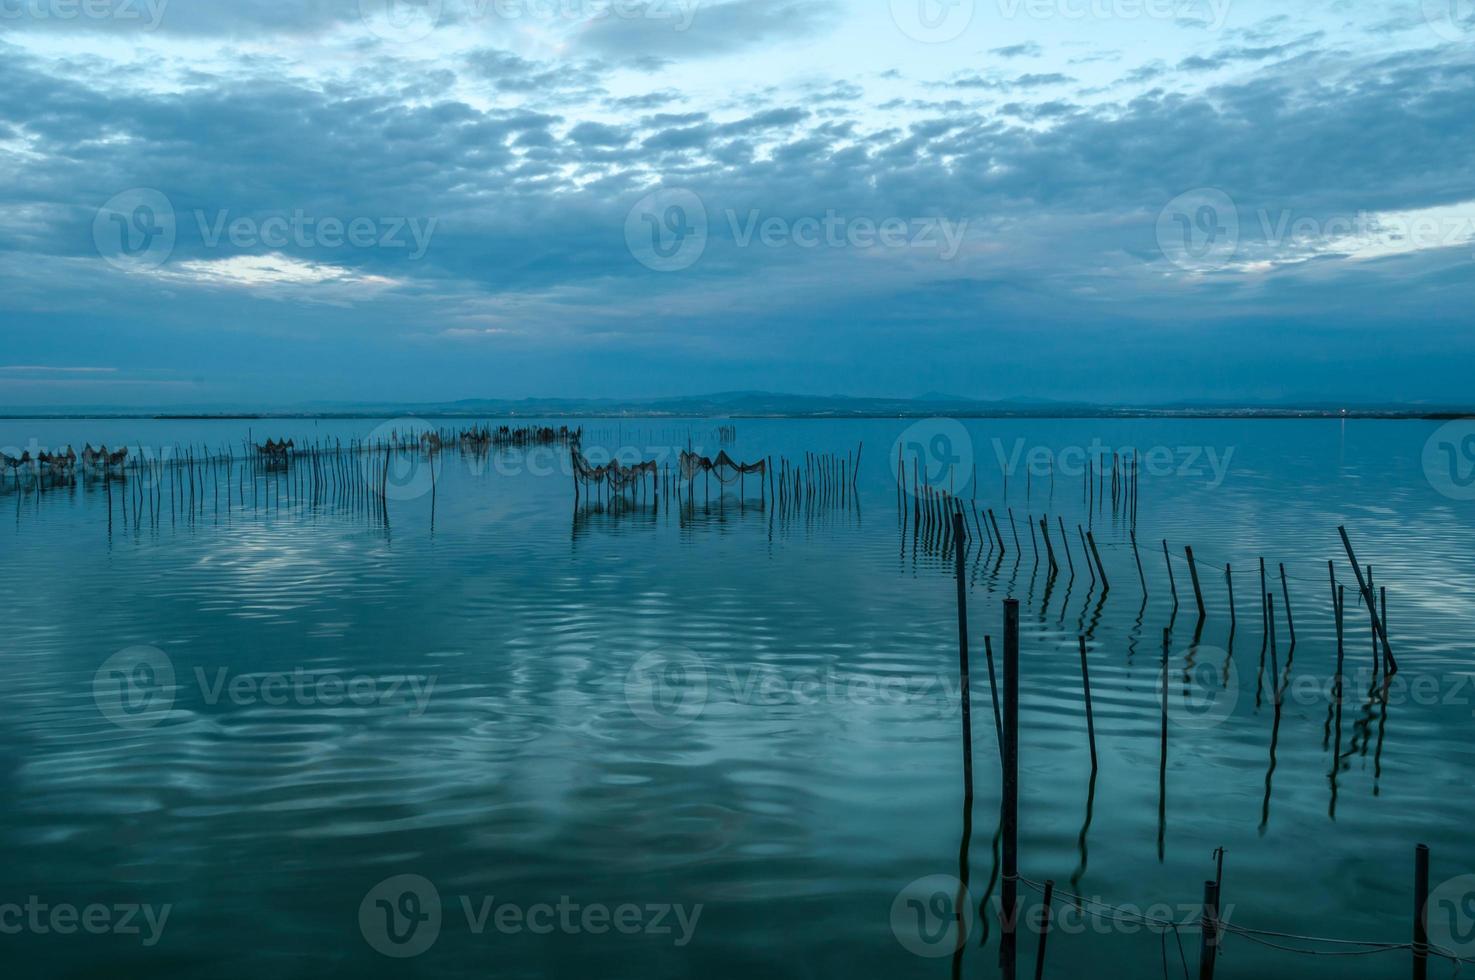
(499,748)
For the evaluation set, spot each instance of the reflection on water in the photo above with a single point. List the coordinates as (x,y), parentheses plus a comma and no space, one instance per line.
(724,699)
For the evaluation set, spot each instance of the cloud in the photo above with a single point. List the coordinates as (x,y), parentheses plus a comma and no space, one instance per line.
(685,29)
(531,165)
(1029,49)
(1025,81)
(598,134)
(1225,57)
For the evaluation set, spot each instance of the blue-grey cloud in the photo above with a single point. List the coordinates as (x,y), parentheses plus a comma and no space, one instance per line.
(528,166)
(683,29)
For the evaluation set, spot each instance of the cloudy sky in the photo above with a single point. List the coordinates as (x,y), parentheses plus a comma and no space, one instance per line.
(267,202)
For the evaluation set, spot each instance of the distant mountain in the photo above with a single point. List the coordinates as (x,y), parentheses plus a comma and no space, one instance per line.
(764,404)
(750,404)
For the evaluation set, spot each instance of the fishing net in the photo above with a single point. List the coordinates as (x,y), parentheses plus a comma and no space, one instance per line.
(616,475)
(724,467)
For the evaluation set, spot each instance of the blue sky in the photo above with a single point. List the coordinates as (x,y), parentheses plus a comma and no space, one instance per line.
(257,203)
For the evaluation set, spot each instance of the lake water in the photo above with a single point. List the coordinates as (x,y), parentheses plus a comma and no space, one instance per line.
(713,737)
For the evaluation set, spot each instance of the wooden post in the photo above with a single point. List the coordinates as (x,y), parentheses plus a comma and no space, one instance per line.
(1091,539)
(1162,766)
(993,689)
(1198,593)
(1138,555)
(1044,928)
(1421,912)
(1285,591)
(1208,946)
(1167,560)
(1338,601)
(1270,618)
(1065,543)
(1010,815)
(1383,605)
(1264,613)
(1229,582)
(1367,597)
(958,552)
(1090,717)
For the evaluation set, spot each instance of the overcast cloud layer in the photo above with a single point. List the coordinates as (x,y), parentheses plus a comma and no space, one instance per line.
(263,202)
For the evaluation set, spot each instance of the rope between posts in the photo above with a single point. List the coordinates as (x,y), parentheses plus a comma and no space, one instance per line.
(1121,915)
(1370,947)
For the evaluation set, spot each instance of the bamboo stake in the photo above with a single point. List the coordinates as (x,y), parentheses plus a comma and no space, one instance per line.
(1090,716)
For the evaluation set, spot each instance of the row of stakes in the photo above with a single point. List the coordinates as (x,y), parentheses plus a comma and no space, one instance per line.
(1006,720)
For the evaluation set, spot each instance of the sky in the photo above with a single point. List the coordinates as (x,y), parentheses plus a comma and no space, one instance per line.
(268,203)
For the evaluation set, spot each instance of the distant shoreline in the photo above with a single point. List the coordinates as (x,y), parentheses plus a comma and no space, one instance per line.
(831,416)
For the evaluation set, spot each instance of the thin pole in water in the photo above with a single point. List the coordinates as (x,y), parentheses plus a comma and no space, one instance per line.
(1209,936)
(1090,716)
(1010,891)
(993,688)
(1044,928)
(1367,596)
(1198,593)
(1091,539)
(1065,543)
(1421,912)
(960,566)
(1229,582)
(1138,556)
(1285,591)
(1167,560)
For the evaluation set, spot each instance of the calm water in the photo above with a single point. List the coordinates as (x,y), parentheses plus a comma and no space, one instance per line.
(461,695)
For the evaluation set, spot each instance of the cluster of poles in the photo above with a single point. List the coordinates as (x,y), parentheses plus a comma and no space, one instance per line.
(1117,486)
(1004,692)
(514,437)
(941,520)
(933,513)
(352,476)
(819,479)
(189,480)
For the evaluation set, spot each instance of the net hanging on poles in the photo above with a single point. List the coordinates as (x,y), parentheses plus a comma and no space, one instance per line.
(618,477)
(726,469)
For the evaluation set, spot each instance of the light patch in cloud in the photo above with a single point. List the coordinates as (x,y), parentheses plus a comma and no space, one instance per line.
(267,271)
(1360,237)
